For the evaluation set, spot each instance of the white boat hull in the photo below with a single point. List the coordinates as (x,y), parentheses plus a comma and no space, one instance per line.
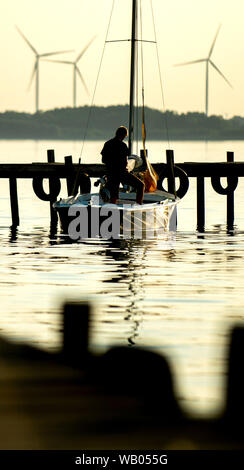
(87,216)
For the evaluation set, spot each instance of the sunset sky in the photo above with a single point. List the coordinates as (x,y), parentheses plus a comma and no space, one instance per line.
(185,32)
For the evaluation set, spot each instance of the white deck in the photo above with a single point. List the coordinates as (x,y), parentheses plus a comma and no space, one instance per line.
(124,199)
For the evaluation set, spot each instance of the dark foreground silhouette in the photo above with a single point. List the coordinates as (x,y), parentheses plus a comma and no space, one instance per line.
(123,399)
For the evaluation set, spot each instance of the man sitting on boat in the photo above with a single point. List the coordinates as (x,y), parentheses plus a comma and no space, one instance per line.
(114,155)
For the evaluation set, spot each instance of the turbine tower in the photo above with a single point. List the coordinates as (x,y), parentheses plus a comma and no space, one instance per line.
(208,62)
(35,71)
(76,70)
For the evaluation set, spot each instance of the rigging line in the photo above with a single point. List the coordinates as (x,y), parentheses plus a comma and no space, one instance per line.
(137,90)
(95,88)
(160,76)
(129,40)
(137,96)
(145,40)
(142,77)
(142,68)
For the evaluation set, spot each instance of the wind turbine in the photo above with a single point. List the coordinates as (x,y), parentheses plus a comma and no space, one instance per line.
(208,61)
(36,65)
(76,69)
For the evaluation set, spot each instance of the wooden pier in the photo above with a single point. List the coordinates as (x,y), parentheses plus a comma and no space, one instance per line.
(69,171)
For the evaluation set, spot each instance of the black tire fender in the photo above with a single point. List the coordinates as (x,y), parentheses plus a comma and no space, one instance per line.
(179,173)
(232,182)
(55,187)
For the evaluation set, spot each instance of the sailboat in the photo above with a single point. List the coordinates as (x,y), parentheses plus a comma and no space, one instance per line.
(90,215)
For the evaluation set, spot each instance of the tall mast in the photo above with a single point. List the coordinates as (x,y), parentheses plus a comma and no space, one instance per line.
(132,74)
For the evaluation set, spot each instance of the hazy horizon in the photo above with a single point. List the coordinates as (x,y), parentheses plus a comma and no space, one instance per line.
(185,32)
(117,105)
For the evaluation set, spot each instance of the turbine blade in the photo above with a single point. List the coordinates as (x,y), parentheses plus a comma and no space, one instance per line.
(84,50)
(216,68)
(82,79)
(32,75)
(192,62)
(54,53)
(58,61)
(214,41)
(26,40)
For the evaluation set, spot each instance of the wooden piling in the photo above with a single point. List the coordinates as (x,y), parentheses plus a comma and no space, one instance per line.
(70,176)
(171,175)
(55,171)
(76,332)
(230,198)
(14,201)
(200,204)
(50,156)
(53,213)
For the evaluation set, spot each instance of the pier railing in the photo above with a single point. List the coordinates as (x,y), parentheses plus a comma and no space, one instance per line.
(67,170)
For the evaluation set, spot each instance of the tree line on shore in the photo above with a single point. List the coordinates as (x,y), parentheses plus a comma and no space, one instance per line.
(100,123)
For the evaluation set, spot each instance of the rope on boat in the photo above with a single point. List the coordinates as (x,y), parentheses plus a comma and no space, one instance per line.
(142,89)
(76,181)
(150,175)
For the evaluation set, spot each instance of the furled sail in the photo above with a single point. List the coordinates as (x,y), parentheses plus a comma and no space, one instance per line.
(150,176)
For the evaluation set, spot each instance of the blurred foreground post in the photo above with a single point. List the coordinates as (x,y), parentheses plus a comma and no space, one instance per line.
(76,332)
(235,388)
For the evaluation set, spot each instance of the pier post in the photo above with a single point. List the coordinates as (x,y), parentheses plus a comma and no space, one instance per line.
(53,213)
(50,156)
(76,332)
(171,175)
(230,197)
(200,204)
(70,177)
(14,201)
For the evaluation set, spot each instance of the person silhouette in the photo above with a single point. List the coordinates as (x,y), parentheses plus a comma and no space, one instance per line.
(114,156)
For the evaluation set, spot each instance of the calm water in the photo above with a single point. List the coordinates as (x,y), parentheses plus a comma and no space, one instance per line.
(179,295)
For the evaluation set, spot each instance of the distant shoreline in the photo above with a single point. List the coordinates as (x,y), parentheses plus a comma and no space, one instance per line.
(100,123)
(101,140)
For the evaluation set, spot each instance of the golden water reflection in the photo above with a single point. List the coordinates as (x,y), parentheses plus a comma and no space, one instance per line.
(178,296)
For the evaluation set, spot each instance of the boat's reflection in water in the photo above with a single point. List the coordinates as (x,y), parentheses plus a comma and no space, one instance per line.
(127,262)
(129,256)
